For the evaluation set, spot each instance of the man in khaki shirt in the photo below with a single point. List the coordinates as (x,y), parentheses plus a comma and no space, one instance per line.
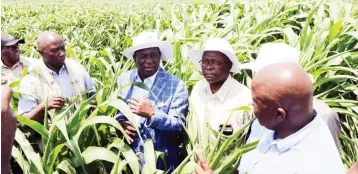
(12,64)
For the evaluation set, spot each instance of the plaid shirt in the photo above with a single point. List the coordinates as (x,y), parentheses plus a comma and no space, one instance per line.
(169,96)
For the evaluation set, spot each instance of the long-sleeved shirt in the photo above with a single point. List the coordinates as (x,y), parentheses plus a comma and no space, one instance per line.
(169,96)
(217,108)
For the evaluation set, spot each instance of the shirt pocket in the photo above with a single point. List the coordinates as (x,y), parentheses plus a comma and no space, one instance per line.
(4,80)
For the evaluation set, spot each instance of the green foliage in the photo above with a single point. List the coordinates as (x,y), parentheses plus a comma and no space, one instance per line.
(95,32)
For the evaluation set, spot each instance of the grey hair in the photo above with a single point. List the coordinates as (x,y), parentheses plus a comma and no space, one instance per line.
(45,38)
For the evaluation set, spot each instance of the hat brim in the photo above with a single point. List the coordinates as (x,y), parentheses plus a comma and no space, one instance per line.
(251,66)
(13,42)
(165,48)
(196,56)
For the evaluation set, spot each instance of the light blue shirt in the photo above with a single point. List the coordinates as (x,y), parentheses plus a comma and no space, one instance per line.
(27,103)
(310,150)
(139,92)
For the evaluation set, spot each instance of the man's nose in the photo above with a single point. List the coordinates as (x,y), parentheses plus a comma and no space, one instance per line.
(62,53)
(209,67)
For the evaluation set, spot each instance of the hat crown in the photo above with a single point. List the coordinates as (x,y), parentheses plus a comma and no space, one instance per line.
(218,44)
(278,52)
(148,39)
(215,44)
(145,37)
(7,37)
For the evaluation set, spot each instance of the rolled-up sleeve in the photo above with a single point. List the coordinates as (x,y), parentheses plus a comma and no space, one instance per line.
(27,102)
(89,84)
(178,110)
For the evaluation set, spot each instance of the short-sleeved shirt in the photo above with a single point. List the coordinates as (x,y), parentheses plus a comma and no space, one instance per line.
(309,150)
(11,74)
(27,103)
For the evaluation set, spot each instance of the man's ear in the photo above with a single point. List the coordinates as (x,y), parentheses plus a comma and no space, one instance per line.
(39,51)
(230,65)
(281,114)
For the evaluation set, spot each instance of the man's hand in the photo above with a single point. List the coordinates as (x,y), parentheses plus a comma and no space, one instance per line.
(203,166)
(353,169)
(56,102)
(142,108)
(129,129)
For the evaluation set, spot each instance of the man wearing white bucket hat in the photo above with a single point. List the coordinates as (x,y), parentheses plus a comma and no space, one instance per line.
(161,110)
(279,53)
(219,93)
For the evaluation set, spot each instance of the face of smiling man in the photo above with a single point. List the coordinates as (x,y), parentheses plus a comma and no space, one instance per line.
(147,61)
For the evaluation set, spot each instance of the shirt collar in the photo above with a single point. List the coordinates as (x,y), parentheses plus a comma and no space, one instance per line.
(290,141)
(149,80)
(52,72)
(222,92)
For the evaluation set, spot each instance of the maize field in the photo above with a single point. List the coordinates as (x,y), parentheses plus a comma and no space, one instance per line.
(95,33)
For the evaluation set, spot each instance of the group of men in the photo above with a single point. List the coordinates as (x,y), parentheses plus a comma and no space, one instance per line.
(297,133)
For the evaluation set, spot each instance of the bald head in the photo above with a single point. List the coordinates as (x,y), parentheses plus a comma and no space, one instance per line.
(282,94)
(52,49)
(45,38)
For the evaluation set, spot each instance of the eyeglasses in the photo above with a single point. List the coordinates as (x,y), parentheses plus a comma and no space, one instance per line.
(213,63)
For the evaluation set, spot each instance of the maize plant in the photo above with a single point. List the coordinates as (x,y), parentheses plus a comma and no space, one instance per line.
(87,139)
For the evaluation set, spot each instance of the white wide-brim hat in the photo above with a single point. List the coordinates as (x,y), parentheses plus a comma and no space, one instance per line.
(149,40)
(271,53)
(215,44)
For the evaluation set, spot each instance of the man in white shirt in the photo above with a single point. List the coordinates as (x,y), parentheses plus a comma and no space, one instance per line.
(215,97)
(297,141)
